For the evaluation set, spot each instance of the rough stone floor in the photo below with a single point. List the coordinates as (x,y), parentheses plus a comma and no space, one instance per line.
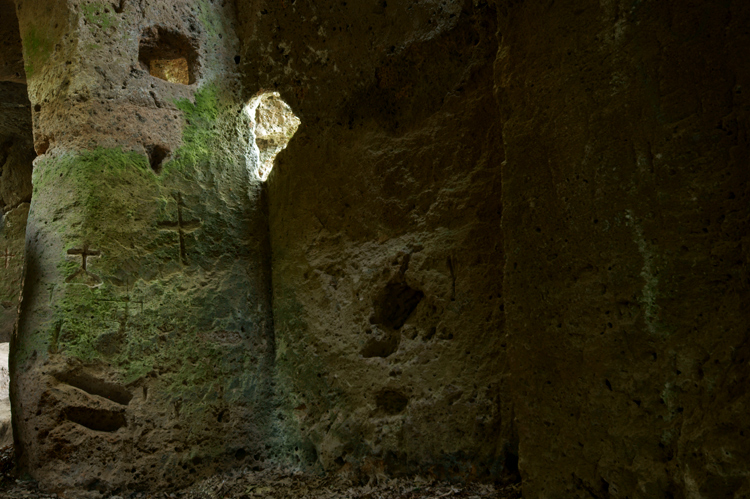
(276,483)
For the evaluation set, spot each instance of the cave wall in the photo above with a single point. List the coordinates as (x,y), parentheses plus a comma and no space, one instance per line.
(387,250)
(16,156)
(144,346)
(508,236)
(625,223)
(11,53)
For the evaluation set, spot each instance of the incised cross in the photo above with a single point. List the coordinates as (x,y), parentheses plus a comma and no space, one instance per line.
(8,255)
(182,227)
(85,252)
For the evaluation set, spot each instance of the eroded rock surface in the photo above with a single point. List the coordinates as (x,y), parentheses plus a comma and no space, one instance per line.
(625,221)
(387,251)
(11,54)
(144,348)
(507,237)
(16,156)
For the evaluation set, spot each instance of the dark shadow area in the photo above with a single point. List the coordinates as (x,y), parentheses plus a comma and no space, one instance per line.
(94,386)
(96,419)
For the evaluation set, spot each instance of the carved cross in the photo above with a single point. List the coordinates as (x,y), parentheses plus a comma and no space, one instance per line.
(82,275)
(8,255)
(182,227)
(85,252)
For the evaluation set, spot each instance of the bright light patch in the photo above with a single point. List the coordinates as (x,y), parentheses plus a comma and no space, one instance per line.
(274,124)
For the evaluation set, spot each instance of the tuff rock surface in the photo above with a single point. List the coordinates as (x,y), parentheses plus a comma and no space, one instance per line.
(16,156)
(508,240)
(144,344)
(11,53)
(625,223)
(385,231)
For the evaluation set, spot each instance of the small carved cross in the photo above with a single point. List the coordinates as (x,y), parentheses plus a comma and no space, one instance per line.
(182,227)
(82,275)
(85,252)
(8,255)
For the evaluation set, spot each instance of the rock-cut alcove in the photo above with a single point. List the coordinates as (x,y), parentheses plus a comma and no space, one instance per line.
(168,55)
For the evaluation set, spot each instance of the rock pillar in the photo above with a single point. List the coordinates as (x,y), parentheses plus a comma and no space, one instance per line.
(144,342)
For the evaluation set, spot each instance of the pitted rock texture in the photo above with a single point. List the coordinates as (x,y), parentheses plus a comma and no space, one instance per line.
(387,251)
(625,223)
(508,238)
(16,156)
(144,349)
(11,54)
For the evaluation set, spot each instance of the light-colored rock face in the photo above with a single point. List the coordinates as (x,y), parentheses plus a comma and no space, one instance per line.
(145,346)
(6,432)
(4,375)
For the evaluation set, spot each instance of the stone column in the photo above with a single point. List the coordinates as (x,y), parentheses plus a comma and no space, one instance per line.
(144,346)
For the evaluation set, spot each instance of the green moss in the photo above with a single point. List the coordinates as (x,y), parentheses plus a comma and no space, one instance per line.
(99,14)
(199,136)
(297,379)
(212,23)
(111,192)
(153,315)
(37,48)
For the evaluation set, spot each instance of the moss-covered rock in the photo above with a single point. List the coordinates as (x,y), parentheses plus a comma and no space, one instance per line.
(145,345)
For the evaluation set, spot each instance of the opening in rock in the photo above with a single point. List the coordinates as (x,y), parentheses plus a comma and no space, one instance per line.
(391,402)
(395,304)
(6,433)
(167,55)
(156,157)
(96,419)
(16,158)
(274,125)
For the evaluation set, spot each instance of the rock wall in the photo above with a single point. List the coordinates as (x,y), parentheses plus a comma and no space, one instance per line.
(387,250)
(507,237)
(625,223)
(16,155)
(11,55)
(6,429)
(145,344)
